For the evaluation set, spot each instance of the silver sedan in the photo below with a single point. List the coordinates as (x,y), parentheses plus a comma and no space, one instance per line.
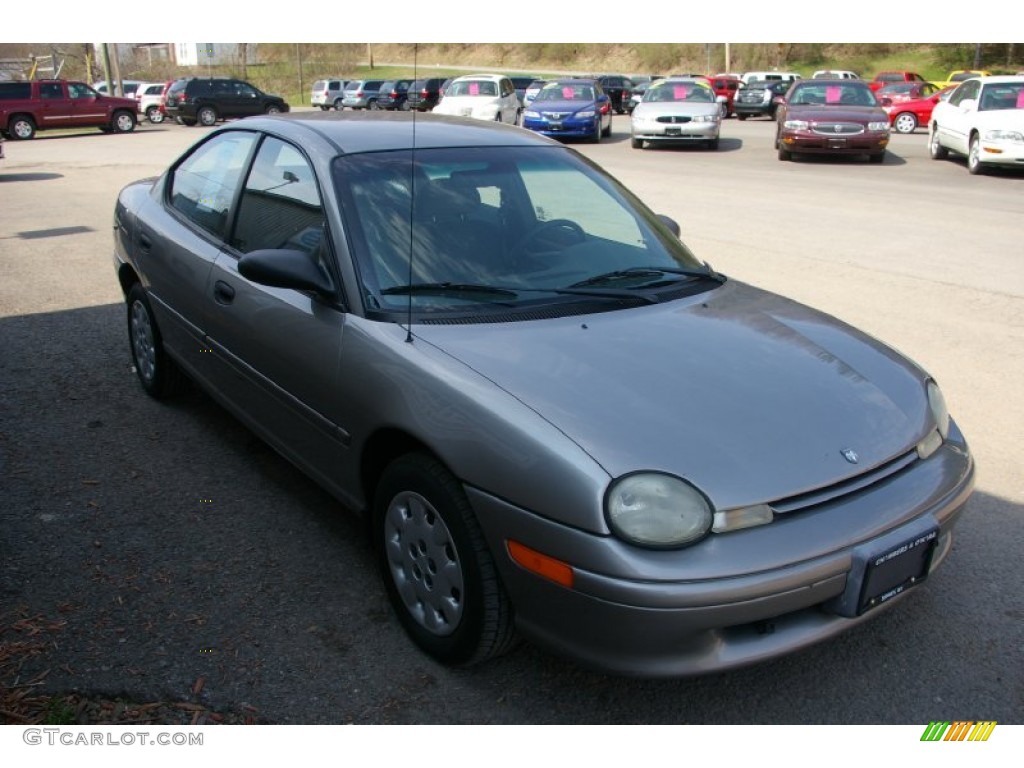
(678,111)
(559,423)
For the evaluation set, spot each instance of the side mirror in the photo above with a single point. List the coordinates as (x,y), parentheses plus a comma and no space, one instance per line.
(285,268)
(671,223)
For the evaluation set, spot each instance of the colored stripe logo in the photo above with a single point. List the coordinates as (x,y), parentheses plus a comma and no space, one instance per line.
(959,730)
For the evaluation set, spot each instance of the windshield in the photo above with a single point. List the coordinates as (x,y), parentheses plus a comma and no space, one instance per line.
(473,88)
(566,92)
(514,226)
(847,93)
(671,91)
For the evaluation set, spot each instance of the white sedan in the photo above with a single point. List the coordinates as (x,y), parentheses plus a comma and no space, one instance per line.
(484,97)
(677,111)
(984,120)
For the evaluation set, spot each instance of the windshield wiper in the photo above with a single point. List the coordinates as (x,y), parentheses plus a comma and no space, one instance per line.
(450,289)
(633,272)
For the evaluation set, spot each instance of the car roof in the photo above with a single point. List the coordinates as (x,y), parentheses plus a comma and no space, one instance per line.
(357,132)
(483,76)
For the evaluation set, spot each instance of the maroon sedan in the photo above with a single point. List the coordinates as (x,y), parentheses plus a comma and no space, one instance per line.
(906,116)
(834,117)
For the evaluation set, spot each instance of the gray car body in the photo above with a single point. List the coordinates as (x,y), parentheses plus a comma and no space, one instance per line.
(750,396)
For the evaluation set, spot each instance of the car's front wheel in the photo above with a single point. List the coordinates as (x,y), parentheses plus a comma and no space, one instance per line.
(154,115)
(935,148)
(974,164)
(437,569)
(157,372)
(21,127)
(905,122)
(273,109)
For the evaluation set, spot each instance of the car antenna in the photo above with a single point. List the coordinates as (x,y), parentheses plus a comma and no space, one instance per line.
(412,198)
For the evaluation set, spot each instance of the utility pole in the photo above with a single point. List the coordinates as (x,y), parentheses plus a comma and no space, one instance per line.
(298,55)
(369,54)
(105,53)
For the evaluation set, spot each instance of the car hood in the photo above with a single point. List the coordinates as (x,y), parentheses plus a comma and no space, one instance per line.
(750,396)
(655,109)
(835,113)
(452,105)
(563,106)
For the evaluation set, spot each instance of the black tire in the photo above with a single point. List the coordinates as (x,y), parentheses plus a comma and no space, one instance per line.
(372,104)
(274,109)
(206,116)
(905,122)
(741,117)
(598,132)
(324,107)
(437,570)
(636,143)
(187,121)
(877,158)
(338,105)
(608,130)
(21,128)
(154,115)
(123,122)
(935,149)
(785,154)
(713,144)
(158,374)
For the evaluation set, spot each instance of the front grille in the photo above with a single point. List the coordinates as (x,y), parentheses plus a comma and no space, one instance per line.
(837,129)
(556,115)
(803,501)
(751,97)
(675,119)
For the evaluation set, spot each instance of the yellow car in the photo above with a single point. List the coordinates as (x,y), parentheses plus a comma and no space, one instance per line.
(957,76)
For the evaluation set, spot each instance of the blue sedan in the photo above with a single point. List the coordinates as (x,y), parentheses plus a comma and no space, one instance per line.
(571,109)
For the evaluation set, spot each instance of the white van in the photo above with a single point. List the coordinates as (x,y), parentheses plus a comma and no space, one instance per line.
(835,74)
(749,77)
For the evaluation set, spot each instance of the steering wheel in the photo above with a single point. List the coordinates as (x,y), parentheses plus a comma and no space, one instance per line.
(550,237)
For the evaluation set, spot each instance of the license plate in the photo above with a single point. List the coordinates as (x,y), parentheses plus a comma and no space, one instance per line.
(555,125)
(896,570)
(672,131)
(836,143)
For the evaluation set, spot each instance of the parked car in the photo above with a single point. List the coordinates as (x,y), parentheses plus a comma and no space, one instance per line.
(897,92)
(617,87)
(772,76)
(906,116)
(588,437)
(896,76)
(532,90)
(636,94)
(130,87)
(2,147)
(835,74)
(832,117)
(727,87)
(328,93)
(677,112)
(393,94)
(983,119)
(362,94)
(758,98)
(28,106)
(148,97)
(483,97)
(521,83)
(957,76)
(424,93)
(205,100)
(570,109)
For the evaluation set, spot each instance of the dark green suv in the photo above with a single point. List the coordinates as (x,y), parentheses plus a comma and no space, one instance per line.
(205,100)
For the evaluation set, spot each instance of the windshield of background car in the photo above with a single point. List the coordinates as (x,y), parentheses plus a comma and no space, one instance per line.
(670,91)
(996,96)
(473,88)
(566,92)
(467,230)
(846,93)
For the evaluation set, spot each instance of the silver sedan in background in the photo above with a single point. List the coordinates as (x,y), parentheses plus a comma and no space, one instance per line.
(678,111)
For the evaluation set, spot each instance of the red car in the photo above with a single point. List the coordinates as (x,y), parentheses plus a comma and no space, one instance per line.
(884,78)
(898,92)
(726,86)
(906,116)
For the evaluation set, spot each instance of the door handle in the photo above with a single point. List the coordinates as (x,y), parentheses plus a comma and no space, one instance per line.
(223,293)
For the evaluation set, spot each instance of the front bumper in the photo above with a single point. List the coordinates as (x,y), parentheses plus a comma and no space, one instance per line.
(677,132)
(733,599)
(1004,153)
(574,129)
(870,143)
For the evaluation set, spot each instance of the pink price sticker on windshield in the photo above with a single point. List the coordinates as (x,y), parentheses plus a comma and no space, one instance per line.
(1020,99)
(679,92)
(567,92)
(474,89)
(833,93)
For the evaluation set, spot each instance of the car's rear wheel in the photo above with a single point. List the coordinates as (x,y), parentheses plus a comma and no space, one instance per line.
(974,164)
(935,148)
(123,122)
(905,122)
(740,117)
(372,104)
(273,109)
(154,115)
(21,127)
(158,374)
(437,570)
(206,116)
(338,105)
(636,143)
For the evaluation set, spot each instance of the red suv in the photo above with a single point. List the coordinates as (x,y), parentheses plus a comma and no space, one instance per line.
(36,105)
(726,86)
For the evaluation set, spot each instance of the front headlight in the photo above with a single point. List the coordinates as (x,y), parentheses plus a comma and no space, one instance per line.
(659,511)
(705,118)
(585,114)
(939,411)
(1015,137)
(532,114)
(796,125)
(879,126)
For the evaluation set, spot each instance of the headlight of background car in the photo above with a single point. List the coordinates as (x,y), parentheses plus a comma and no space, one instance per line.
(658,511)
(1011,136)
(882,125)
(796,125)
(586,114)
(937,404)
(531,114)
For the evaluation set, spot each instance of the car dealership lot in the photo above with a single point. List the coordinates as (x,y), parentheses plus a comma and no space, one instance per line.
(176,546)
